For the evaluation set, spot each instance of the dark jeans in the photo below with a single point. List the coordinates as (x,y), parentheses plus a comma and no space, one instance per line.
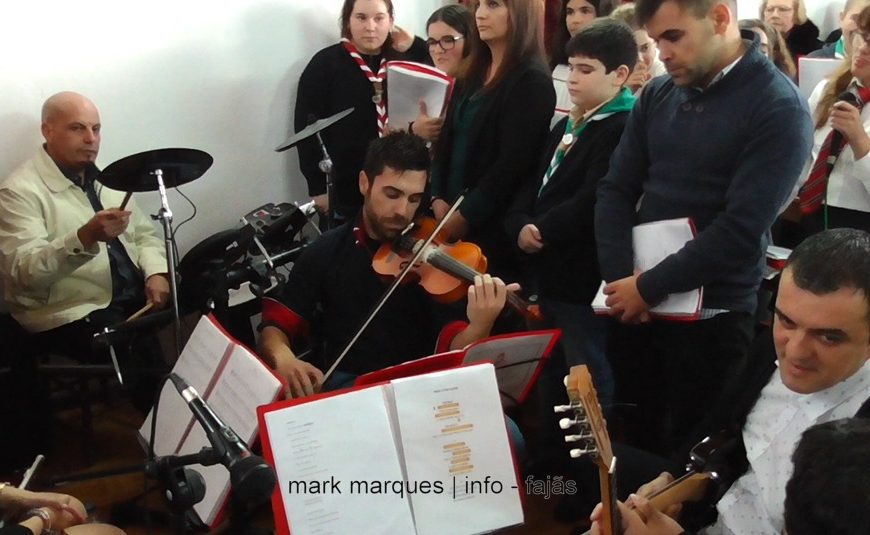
(140,357)
(670,374)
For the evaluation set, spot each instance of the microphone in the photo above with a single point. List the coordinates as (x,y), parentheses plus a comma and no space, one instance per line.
(837,137)
(252,479)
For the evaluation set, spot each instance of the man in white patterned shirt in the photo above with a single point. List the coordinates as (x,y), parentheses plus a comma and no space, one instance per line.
(821,335)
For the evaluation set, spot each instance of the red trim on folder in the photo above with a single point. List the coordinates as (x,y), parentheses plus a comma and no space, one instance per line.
(427,69)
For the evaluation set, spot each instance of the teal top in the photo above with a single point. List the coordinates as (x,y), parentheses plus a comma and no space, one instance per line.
(476,207)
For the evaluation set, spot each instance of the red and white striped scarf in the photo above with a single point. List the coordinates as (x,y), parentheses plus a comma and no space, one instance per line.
(377,80)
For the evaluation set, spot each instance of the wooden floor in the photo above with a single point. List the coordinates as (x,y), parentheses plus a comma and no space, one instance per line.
(115,445)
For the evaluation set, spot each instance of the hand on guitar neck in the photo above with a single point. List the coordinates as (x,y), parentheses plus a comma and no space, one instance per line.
(638,517)
(643,513)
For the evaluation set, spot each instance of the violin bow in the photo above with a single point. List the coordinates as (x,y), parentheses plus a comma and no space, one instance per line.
(392,288)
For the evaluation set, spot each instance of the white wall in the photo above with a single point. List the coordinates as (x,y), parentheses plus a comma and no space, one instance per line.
(824,13)
(216,76)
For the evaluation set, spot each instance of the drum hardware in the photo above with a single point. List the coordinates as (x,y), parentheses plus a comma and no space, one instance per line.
(325,165)
(155,170)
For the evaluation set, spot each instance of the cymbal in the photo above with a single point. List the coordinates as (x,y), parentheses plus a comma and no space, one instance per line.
(312,129)
(136,172)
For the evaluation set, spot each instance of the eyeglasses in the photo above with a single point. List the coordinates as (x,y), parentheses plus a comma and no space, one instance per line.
(446,43)
(865,38)
(780,9)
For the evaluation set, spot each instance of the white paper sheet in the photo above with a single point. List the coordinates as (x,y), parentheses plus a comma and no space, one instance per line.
(347,442)
(453,434)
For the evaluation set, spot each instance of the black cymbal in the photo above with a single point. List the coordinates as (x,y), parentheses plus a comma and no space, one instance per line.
(136,172)
(312,129)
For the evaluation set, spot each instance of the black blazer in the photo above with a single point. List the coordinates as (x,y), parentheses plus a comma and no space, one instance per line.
(567,268)
(506,141)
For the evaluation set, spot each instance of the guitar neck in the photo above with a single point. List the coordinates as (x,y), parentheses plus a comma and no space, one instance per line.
(610,520)
(688,488)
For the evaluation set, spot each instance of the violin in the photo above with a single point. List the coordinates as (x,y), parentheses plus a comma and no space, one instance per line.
(445,269)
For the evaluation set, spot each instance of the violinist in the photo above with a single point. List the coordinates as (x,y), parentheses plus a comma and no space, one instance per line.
(332,285)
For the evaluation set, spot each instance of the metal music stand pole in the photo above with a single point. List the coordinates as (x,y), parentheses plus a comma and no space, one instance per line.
(327,168)
(165,217)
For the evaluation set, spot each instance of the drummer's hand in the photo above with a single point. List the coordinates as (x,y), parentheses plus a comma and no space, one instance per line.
(104,226)
(321,203)
(402,39)
(157,290)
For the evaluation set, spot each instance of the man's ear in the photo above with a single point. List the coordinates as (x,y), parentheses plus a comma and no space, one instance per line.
(622,73)
(363,183)
(721,16)
(46,129)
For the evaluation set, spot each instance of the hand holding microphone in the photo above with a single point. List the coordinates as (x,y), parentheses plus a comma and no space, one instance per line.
(847,124)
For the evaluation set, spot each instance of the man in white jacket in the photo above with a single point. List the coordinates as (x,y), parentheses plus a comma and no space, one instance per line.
(71,261)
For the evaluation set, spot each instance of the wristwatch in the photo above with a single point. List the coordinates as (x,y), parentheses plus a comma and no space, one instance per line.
(46,520)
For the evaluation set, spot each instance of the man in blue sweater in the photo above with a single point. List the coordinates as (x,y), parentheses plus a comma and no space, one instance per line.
(722,141)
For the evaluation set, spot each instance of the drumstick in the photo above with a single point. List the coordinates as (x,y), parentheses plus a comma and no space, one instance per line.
(126,199)
(140,312)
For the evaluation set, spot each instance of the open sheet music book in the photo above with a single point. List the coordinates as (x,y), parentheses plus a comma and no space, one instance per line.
(423,455)
(653,242)
(233,382)
(408,83)
(518,360)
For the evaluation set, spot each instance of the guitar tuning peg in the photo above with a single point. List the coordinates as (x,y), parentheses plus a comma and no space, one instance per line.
(565,423)
(576,438)
(577,452)
(558,409)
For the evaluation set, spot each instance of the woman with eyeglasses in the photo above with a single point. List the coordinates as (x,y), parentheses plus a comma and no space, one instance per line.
(790,18)
(496,123)
(839,195)
(575,14)
(447,29)
(350,74)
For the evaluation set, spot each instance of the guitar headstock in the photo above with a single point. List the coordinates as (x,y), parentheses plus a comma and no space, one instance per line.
(588,419)
(592,439)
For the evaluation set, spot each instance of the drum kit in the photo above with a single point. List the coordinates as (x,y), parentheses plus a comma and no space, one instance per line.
(157,170)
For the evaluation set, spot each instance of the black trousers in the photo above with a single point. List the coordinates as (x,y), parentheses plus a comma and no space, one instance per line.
(670,374)
(139,355)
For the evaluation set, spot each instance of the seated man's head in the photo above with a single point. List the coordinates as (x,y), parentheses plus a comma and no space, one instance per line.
(821,328)
(829,490)
(694,37)
(393,182)
(71,128)
(601,56)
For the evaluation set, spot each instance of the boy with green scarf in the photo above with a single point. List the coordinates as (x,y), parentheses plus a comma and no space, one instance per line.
(551,220)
